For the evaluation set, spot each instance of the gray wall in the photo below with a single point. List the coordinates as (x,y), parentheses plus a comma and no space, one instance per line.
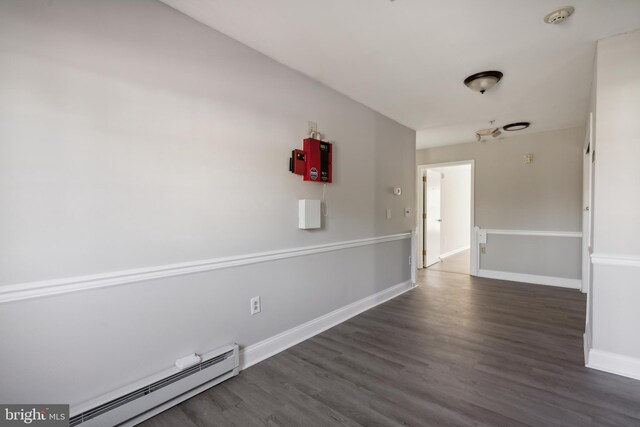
(541,255)
(616,247)
(132,136)
(545,195)
(122,118)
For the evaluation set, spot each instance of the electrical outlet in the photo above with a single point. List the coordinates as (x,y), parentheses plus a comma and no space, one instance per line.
(312,127)
(483,249)
(255,305)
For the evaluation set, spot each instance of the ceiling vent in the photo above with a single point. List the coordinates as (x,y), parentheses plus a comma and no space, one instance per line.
(559,16)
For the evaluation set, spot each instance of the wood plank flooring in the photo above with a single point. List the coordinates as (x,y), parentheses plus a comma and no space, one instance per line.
(458,263)
(456,351)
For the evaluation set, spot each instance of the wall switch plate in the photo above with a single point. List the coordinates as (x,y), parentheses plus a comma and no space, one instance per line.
(483,249)
(255,305)
(407,211)
(388,213)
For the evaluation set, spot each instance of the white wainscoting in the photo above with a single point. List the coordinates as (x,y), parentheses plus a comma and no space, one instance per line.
(531,278)
(627,267)
(610,259)
(17,292)
(534,233)
(264,349)
(523,277)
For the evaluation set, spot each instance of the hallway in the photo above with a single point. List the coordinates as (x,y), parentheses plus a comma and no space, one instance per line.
(455,351)
(458,263)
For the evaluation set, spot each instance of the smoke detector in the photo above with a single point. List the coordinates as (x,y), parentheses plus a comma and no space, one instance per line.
(558,16)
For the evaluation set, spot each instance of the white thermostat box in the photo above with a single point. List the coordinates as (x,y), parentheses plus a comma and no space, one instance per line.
(308,214)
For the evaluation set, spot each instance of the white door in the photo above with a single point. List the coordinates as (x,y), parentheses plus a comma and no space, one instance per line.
(433,219)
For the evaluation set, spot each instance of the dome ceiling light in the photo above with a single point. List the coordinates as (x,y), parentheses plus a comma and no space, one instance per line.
(516,126)
(558,16)
(483,81)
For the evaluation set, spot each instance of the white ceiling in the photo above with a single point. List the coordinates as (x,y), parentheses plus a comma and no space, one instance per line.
(407,59)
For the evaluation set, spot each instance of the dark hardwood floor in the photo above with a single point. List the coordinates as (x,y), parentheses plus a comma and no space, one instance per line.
(456,351)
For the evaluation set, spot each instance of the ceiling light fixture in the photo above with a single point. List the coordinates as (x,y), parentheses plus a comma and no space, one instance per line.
(483,81)
(494,132)
(559,15)
(516,126)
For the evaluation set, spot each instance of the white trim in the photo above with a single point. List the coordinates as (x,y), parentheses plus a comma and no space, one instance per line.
(614,363)
(609,259)
(453,252)
(535,233)
(413,258)
(585,347)
(264,349)
(586,337)
(531,278)
(30,290)
(475,245)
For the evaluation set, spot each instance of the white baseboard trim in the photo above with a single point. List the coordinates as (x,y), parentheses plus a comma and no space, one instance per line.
(614,363)
(531,278)
(271,346)
(23,291)
(453,252)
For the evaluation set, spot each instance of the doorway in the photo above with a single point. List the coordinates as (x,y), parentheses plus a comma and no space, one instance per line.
(446,224)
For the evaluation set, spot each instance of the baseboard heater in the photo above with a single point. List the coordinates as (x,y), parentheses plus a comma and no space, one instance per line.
(139,401)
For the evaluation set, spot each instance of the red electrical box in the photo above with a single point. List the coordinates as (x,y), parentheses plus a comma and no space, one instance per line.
(313,162)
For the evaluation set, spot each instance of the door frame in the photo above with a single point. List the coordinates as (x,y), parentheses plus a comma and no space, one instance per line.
(421,169)
(430,257)
(588,152)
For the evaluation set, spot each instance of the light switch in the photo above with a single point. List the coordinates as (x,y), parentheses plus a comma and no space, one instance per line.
(388,213)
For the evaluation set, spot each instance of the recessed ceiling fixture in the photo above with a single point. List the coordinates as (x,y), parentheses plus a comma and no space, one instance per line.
(516,126)
(483,81)
(559,15)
